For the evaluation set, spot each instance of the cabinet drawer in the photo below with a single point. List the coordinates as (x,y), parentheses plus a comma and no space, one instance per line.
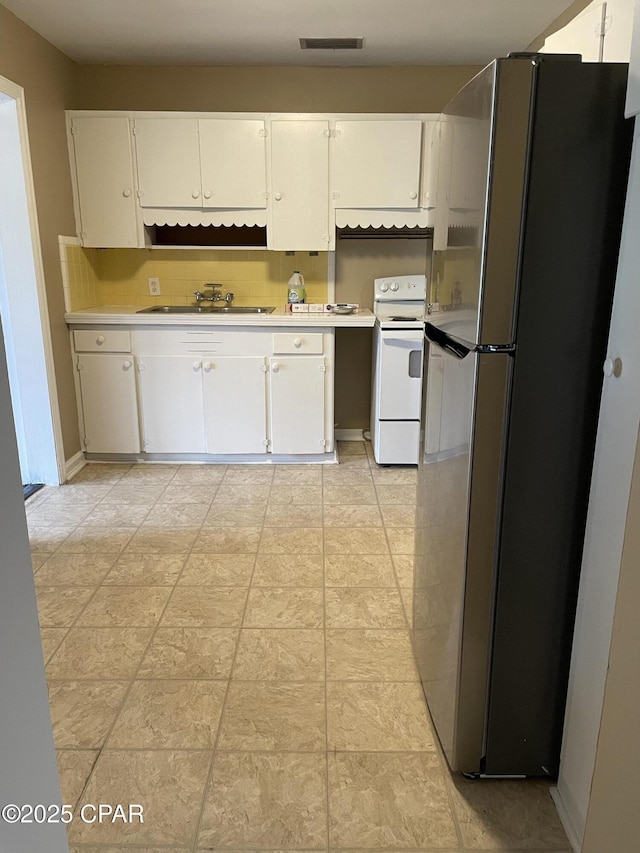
(101,340)
(292,342)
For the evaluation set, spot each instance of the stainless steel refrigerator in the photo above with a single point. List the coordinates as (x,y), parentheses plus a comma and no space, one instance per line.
(533,168)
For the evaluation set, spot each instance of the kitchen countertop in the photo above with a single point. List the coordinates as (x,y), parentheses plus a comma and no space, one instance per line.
(127,315)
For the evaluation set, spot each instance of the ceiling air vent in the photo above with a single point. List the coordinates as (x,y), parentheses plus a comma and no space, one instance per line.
(331,44)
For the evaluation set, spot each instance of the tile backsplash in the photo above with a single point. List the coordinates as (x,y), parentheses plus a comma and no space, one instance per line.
(119,276)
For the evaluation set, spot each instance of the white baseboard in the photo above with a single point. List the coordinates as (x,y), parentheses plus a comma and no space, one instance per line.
(565,820)
(349,435)
(73,465)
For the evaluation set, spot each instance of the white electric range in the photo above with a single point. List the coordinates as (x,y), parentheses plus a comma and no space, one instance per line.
(398,340)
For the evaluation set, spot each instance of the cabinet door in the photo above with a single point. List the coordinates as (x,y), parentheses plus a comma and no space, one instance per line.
(377,164)
(235,410)
(104,174)
(168,157)
(299,198)
(171,404)
(233,162)
(109,405)
(297,404)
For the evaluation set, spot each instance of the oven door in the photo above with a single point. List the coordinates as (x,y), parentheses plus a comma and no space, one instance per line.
(400,374)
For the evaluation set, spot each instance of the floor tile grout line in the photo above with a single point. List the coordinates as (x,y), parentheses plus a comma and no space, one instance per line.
(209,779)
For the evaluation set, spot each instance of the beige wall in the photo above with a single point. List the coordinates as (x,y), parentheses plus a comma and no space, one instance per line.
(561,21)
(47,77)
(271,89)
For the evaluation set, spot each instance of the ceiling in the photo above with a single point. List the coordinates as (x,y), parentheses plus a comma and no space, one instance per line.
(267,32)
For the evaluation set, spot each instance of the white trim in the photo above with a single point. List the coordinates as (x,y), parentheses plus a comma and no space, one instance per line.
(63,242)
(217,458)
(12,90)
(565,820)
(75,464)
(350,434)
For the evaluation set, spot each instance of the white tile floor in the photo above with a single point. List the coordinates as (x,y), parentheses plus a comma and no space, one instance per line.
(229,647)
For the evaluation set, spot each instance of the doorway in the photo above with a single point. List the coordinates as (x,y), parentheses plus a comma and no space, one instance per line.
(23,305)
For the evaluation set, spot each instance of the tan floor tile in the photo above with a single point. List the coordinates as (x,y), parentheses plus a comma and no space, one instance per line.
(118,515)
(84,493)
(227,540)
(283,801)
(169,715)
(369,655)
(38,559)
(362,607)
(46,540)
(239,494)
(101,472)
(217,570)
(199,475)
(163,540)
(177,515)
(300,475)
(355,540)
(398,515)
(145,570)
(267,715)
(351,448)
(58,516)
(118,849)
(132,493)
(137,606)
(286,607)
(169,784)
(75,569)
(506,814)
(288,570)
(394,476)
(111,653)
(280,654)
(59,607)
(406,593)
(150,474)
(349,495)
(350,462)
(242,475)
(403,564)
(205,607)
(342,515)
(291,540)
(51,639)
(401,540)
(395,494)
(359,570)
(295,494)
(290,515)
(82,712)
(189,493)
(190,653)
(235,515)
(378,717)
(395,800)
(74,767)
(97,540)
(337,475)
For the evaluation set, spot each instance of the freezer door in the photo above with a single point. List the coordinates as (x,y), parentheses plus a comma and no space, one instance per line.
(459,488)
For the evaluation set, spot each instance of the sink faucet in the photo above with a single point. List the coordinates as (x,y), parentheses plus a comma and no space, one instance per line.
(215,296)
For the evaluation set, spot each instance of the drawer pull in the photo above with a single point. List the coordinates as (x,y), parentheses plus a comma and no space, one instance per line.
(208,365)
(126,365)
(126,193)
(275,367)
(197,365)
(297,343)
(195,194)
(207,194)
(100,339)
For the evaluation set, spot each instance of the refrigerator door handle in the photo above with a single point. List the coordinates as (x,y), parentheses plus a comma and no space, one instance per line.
(453,347)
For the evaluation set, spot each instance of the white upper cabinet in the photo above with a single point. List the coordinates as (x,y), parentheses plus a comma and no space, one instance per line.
(105,184)
(168,157)
(376,164)
(299,198)
(233,160)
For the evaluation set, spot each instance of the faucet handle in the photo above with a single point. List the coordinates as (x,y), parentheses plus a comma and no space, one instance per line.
(229,297)
(198,295)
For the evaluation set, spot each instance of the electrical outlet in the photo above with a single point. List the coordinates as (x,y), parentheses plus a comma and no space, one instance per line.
(154,286)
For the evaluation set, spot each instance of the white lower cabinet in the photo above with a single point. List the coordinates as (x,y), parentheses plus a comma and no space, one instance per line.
(297,404)
(108,402)
(235,404)
(171,404)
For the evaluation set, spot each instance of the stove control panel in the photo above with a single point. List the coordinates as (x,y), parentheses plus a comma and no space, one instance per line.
(400,288)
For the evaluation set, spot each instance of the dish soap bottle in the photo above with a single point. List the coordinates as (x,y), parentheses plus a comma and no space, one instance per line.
(296,287)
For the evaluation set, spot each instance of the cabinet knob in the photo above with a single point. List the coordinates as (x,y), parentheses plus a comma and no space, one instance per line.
(126,365)
(207,194)
(275,367)
(126,193)
(277,196)
(100,340)
(195,194)
(197,365)
(413,194)
(208,365)
(297,343)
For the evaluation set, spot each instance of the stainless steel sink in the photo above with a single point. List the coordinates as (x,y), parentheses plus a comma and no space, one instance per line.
(206,309)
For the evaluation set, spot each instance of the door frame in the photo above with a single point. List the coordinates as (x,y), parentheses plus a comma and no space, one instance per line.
(44,456)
